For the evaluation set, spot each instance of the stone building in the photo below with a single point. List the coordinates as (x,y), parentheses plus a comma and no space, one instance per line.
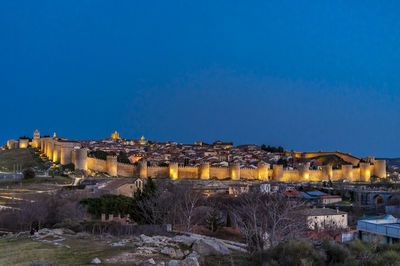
(126,187)
(322,218)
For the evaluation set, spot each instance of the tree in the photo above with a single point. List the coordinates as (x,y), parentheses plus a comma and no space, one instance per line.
(28,173)
(214,220)
(123,158)
(102,155)
(266,220)
(272,149)
(282,162)
(188,203)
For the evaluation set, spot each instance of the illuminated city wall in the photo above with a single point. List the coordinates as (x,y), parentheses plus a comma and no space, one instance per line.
(112,165)
(97,165)
(158,171)
(126,170)
(248,173)
(219,172)
(66,152)
(188,172)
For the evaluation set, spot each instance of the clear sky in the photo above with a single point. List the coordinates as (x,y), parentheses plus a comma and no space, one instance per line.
(307,75)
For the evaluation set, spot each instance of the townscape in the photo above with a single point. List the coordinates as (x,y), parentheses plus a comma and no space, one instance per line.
(218,200)
(200,133)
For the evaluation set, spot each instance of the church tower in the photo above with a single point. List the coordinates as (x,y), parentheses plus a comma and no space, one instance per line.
(36,134)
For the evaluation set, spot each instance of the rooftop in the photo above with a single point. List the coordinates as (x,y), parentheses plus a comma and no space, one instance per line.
(322,212)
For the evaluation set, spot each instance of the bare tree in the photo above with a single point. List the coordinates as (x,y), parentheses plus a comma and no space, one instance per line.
(250,219)
(266,220)
(282,222)
(44,210)
(154,209)
(190,200)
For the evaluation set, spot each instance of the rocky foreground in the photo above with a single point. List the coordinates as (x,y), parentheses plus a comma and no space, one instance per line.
(175,249)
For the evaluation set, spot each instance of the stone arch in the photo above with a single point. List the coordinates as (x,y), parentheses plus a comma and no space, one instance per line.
(379,200)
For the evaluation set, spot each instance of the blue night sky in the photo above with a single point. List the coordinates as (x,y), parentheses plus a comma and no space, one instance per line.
(307,75)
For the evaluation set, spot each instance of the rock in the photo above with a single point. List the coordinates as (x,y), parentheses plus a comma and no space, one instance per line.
(146,239)
(147,262)
(179,254)
(183,239)
(121,243)
(172,253)
(174,263)
(95,261)
(206,247)
(190,260)
(168,251)
(146,250)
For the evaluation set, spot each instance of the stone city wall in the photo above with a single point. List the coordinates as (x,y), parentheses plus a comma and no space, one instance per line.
(158,171)
(70,152)
(97,164)
(248,173)
(126,170)
(188,172)
(219,172)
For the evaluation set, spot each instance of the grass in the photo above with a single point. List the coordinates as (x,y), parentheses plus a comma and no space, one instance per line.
(25,157)
(81,252)
(28,189)
(37,180)
(345,201)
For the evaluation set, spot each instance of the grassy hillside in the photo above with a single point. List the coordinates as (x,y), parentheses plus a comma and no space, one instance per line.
(25,157)
(28,189)
(80,251)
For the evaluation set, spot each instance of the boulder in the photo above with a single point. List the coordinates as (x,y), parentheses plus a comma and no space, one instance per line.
(146,239)
(172,253)
(95,261)
(183,239)
(148,262)
(206,247)
(174,263)
(143,250)
(190,260)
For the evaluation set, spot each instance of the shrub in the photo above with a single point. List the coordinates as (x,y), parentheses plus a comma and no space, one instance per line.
(28,173)
(70,167)
(389,257)
(336,253)
(294,252)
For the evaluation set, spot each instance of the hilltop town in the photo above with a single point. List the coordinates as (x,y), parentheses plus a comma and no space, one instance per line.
(117,156)
(146,202)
